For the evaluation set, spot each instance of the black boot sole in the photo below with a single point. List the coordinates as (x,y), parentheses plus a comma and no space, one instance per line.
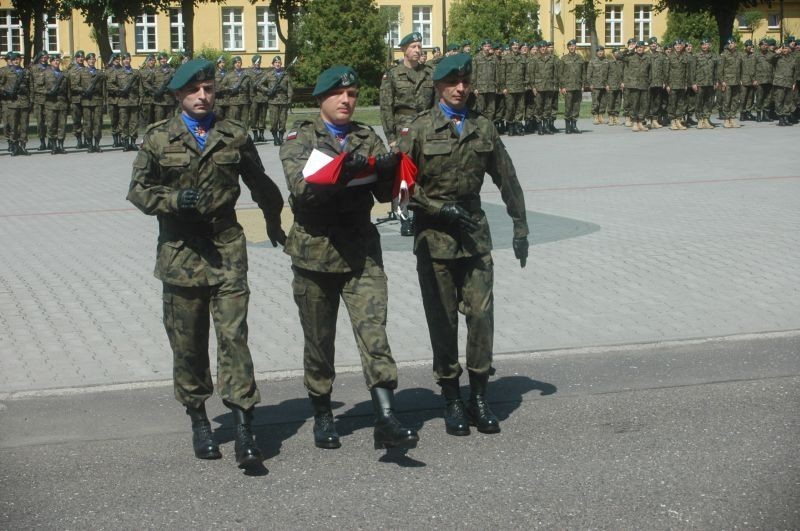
(209,455)
(248,460)
(458,433)
(402,443)
(328,445)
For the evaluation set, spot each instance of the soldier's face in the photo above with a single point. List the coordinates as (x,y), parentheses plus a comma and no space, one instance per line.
(572,48)
(126,61)
(454,91)
(639,50)
(79,60)
(601,53)
(706,46)
(487,48)
(163,61)
(277,63)
(151,62)
(55,63)
(515,47)
(197,98)
(337,106)
(43,59)
(237,65)
(91,61)
(413,51)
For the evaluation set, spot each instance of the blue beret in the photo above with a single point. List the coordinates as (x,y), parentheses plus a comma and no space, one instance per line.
(194,70)
(411,37)
(459,64)
(335,77)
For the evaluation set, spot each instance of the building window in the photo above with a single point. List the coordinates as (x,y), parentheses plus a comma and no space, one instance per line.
(10,31)
(614,25)
(146,33)
(50,34)
(422,24)
(267,29)
(392,14)
(642,21)
(773,21)
(176,35)
(113,34)
(232,28)
(582,35)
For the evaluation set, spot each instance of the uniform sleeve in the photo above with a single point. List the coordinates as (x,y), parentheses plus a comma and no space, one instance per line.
(504,176)
(411,145)
(294,155)
(146,190)
(387,106)
(265,192)
(289,87)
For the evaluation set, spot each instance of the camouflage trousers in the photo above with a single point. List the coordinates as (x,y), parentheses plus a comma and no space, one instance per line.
(730,101)
(129,121)
(93,121)
(656,103)
(705,101)
(77,117)
(515,106)
(147,113)
(258,114)
(446,285)
(748,98)
(572,104)
(365,295)
(186,319)
(499,106)
(278,113)
(530,105)
(677,104)
(240,112)
(599,101)
(39,113)
(614,101)
(783,100)
(763,96)
(17,124)
(484,104)
(57,121)
(162,112)
(636,103)
(544,104)
(113,115)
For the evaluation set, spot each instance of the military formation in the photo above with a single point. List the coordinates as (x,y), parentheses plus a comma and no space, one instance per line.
(48,96)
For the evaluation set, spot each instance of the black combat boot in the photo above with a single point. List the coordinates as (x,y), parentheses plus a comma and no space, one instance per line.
(553,128)
(575,127)
(53,146)
(79,141)
(115,140)
(13,148)
(275,139)
(87,142)
(21,150)
(477,408)
(406,227)
(521,129)
(281,135)
(325,435)
(540,129)
(689,122)
(455,417)
(261,136)
(43,146)
(61,149)
(205,447)
(247,453)
(131,146)
(97,145)
(568,126)
(389,432)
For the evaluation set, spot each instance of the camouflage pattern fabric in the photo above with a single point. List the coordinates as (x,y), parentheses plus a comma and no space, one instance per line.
(404,93)
(56,103)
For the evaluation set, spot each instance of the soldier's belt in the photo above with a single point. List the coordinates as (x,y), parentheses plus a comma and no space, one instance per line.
(327,219)
(405,112)
(205,229)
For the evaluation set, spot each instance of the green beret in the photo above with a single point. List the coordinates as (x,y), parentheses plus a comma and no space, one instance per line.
(436,49)
(114,55)
(235,59)
(631,40)
(10,56)
(150,57)
(163,55)
(276,59)
(335,77)
(640,43)
(466,43)
(220,59)
(600,48)
(571,42)
(91,55)
(772,42)
(459,64)
(730,40)
(194,70)
(653,40)
(256,59)
(411,37)
(484,42)
(126,55)
(513,41)
(453,47)
(791,38)
(79,53)
(55,56)
(748,42)
(39,56)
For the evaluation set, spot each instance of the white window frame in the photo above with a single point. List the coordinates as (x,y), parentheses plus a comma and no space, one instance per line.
(393,35)
(177,28)
(12,32)
(146,23)
(230,23)
(113,30)
(643,17)
(47,45)
(266,29)
(582,35)
(420,24)
(777,18)
(614,22)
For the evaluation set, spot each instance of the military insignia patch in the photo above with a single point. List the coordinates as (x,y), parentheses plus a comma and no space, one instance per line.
(292,135)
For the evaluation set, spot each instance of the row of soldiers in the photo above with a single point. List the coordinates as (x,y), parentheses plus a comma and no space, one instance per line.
(48,95)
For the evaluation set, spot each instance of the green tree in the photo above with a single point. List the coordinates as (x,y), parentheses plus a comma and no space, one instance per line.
(751,19)
(346,32)
(290,11)
(692,27)
(32,13)
(476,20)
(588,11)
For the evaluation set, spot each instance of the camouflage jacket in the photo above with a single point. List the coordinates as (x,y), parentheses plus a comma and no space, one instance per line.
(572,72)
(785,71)
(451,169)
(543,73)
(636,74)
(765,67)
(91,87)
(484,73)
(514,66)
(730,67)
(236,87)
(221,99)
(658,68)
(17,80)
(704,69)
(258,85)
(208,247)
(74,82)
(37,83)
(282,86)
(161,78)
(111,84)
(404,93)
(332,230)
(677,73)
(129,87)
(147,81)
(615,70)
(597,73)
(56,90)
(748,68)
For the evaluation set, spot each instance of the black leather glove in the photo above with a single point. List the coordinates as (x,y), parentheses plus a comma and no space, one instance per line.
(453,213)
(521,250)
(353,163)
(385,166)
(275,232)
(187,200)
(234,91)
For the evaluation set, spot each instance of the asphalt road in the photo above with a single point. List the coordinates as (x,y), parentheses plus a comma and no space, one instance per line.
(691,434)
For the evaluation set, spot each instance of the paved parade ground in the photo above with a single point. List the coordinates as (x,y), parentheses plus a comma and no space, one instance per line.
(647,356)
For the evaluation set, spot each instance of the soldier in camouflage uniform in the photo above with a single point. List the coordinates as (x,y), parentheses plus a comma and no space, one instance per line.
(112,98)
(163,100)
(336,253)
(704,83)
(500,99)
(531,124)
(5,70)
(730,77)
(514,67)
(280,90)
(91,87)
(259,100)
(677,82)
(615,69)
(635,83)
(784,83)
(16,87)
(221,101)
(748,82)
(691,96)
(38,68)
(56,104)
(147,112)
(187,174)
(572,79)
(597,77)
(129,92)
(763,80)
(74,85)
(543,80)
(236,87)
(454,148)
(657,92)
(484,66)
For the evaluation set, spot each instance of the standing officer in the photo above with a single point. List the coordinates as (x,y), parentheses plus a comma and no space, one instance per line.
(763,80)
(615,68)
(657,92)
(406,89)
(56,104)
(730,76)
(514,67)
(453,149)
(279,91)
(38,68)
(543,80)
(635,83)
(163,100)
(626,104)
(17,90)
(259,99)
(236,86)
(677,80)
(221,97)
(704,83)
(691,97)
(147,77)
(748,82)
(597,77)
(92,85)
(74,85)
(112,98)
(784,83)
(572,78)
(129,84)
(336,253)
(187,174)
(484,66)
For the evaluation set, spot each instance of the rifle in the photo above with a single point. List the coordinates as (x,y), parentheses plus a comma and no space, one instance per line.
(89,92)
(126,91)
(17,84)
(54,91)
(274,90)
(233,91)
(163,88)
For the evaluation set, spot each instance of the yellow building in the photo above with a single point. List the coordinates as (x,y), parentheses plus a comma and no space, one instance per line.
(242,28)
